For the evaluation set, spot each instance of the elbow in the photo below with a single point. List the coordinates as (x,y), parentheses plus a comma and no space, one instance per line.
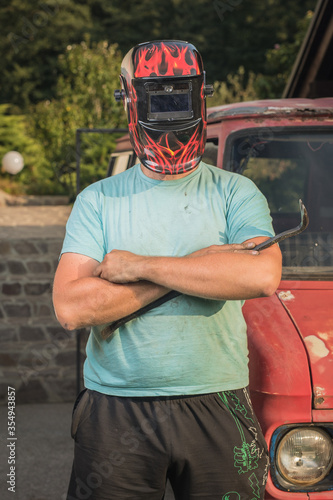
(66,317)
(67,322)
(68,325)
(270,275)
(270,284)
(268,291)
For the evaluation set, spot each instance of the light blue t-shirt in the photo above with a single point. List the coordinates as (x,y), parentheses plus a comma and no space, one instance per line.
(188,345)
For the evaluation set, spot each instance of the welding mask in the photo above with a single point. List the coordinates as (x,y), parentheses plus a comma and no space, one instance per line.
(164,94)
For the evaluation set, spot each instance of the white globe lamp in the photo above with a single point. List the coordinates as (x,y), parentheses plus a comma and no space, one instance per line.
(12,162)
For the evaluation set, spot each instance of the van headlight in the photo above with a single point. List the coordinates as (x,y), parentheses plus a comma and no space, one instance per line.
(304,456)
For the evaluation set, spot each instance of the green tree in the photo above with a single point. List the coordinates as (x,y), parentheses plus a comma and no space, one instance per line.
(248,48)
(15,135)
(242,86)
(236,88)
(279,62)
(229,34)
(84,98)
(33,34)
(248,31)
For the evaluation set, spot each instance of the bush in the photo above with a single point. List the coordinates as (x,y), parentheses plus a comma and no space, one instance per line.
(15,135)
(89,76)
(237,87)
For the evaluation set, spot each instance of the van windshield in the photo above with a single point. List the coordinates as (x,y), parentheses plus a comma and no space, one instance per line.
(288,166)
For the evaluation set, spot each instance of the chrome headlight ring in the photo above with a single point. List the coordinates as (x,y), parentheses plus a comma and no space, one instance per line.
(302,457)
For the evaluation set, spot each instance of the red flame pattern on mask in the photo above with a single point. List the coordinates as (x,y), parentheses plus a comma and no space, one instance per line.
(168,155)
(166,60)
(172,152)
(173,158)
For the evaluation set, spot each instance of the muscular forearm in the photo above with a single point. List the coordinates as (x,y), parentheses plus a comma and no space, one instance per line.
(222,272)
(224,276)
(93,301)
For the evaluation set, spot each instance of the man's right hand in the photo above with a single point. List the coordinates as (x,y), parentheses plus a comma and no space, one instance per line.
(246,247)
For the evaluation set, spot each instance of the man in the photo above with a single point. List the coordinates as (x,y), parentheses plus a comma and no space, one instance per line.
(166,395)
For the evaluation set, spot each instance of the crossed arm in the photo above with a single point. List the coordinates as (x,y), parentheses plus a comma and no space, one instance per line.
(88,293)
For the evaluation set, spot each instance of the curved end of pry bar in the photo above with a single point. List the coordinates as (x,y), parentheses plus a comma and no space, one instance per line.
(290,232)
(304,216)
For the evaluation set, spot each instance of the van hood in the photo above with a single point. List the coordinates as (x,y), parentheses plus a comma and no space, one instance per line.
(310,307)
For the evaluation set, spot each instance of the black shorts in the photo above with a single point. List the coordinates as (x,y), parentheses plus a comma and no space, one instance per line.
(209,446)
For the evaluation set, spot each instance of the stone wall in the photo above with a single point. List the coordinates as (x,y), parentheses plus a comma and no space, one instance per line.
(37,356)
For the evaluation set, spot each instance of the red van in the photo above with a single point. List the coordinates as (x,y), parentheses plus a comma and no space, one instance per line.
(286,147)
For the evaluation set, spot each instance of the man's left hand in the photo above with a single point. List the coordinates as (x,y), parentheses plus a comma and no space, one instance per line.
(119,266)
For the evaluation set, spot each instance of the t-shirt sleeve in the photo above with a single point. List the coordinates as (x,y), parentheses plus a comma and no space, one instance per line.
(84,229)
(248,212)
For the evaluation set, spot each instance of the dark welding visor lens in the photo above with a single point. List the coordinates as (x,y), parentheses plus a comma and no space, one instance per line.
(169,103)
(165,102)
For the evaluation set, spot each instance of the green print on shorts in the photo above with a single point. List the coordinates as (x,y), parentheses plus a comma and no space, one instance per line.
(231,495)
(254,485)
(245,457)
(238,406)
(234,495)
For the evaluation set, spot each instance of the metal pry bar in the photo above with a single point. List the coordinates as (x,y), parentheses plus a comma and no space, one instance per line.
(112,327)
(290,232)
